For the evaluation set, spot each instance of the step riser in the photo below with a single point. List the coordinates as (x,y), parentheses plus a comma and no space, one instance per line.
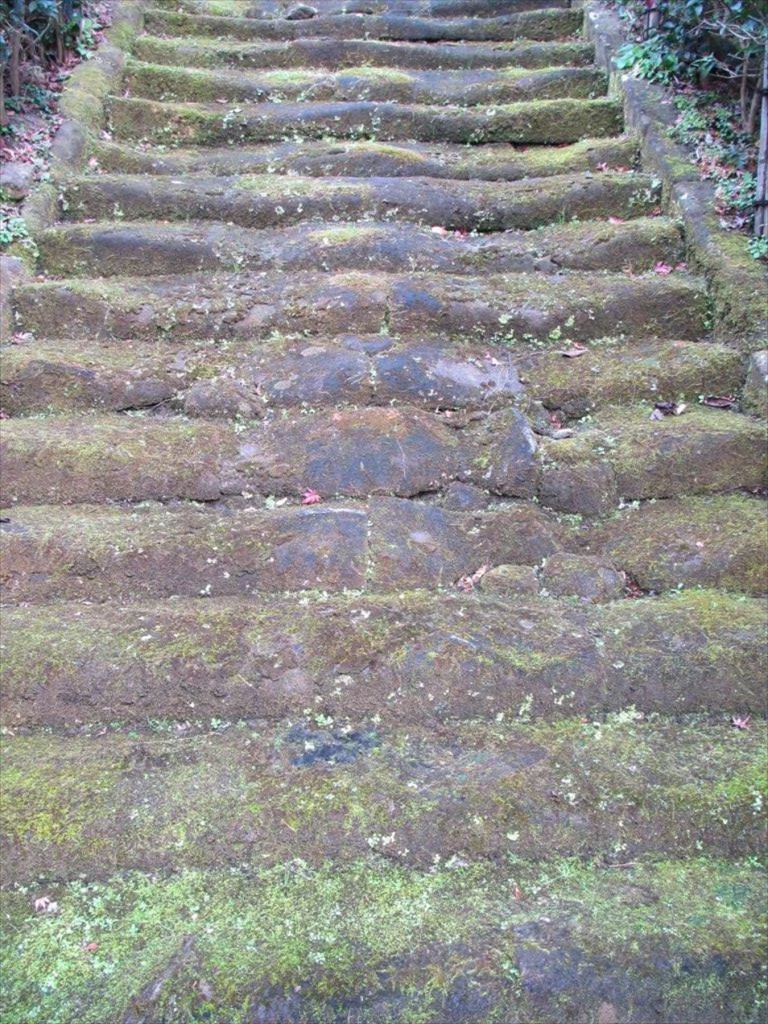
(333,55)
(543,26)
(406,660)
(547,122)
(439,798)
(514,311)
(51,554)
(370,159)
(151,81)
(265,202)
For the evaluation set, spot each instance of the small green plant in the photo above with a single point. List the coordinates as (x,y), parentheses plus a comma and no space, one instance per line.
(758,248)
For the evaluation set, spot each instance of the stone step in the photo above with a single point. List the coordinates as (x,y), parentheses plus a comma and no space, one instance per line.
(538,122)
(111,249)
(167,796)
(239,380)
(628,454)
(513,310)
(340,53)
(266,201)
(538,25)
(97,553)
(617,374)
(493,162)
(415,657)
(360,452)
(461,943)
(462,88)
(235,380)
(404,8)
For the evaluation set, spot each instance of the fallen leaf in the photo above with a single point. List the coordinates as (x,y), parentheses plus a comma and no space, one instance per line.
(518,893)
(720,401)
(606,1014)
(45,905)
(439,231)
(740,721)
(662,268)
(468,583)
(91,947)
(616,220)
(205,989)
(574,351)
(662,409)
(310,497)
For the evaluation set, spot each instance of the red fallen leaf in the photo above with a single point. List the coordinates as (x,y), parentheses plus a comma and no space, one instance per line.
(681,266)
(310,497)
(616,220)
(468,583)
(720,401)
(574,351)
(518,893)
(740,721)
(91,947)
(602,167)
(662,268)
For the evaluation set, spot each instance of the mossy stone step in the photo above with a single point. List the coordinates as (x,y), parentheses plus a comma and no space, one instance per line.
(669,941)
(464,88)
(334,54)
(494,162)
(515,310)
(409,8)
(353,452)
(263,201)
(251,380)
(358,452)
(615,373)
(537,122)
(111,249)
(628,454)
(174,796)
(99,553)
(415,657)
(538,25)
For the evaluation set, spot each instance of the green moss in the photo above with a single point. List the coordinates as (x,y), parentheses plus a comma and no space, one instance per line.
(334,937)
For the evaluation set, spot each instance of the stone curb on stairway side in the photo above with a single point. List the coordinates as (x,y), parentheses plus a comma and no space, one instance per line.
(83,110)
(738,284)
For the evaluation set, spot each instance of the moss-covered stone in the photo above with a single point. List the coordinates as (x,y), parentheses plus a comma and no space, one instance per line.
(415,657)
(163,798)
(391,945)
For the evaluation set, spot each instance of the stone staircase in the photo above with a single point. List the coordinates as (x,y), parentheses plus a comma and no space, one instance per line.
(371,645)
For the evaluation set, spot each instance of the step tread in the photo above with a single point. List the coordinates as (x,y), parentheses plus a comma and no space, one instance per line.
(331,788)
(393,451)
(107,248)
(465,88)
(538,25)
(493,161)
(514,310)
(413,657)
(54,553)
(389,942)
(550,122)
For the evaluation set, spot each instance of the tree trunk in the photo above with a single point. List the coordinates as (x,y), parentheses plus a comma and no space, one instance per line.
(761,208)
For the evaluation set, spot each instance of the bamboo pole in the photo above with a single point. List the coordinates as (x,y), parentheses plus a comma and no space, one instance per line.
(761,202)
